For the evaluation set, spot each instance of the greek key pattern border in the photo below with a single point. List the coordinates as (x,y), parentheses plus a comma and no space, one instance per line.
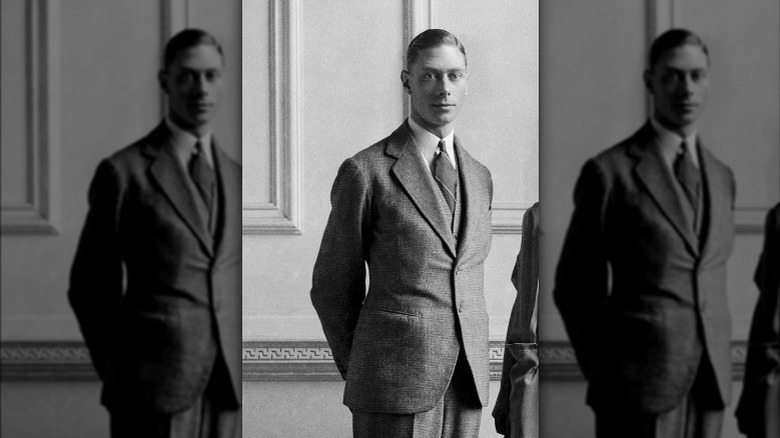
(270,361)
(287,353)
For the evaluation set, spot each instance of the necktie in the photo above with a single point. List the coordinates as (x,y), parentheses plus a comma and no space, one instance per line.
(446,175)
(689,177)
(203,175)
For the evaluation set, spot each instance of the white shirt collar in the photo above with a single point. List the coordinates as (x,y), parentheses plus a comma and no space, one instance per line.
(183,143)
(428,143)
(669,143)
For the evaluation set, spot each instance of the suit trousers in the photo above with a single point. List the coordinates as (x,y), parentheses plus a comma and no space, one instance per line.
(457,415)
(695,417)
(209,417)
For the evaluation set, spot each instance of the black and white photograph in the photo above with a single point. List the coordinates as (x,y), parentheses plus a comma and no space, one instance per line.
(378,270)
(660,159)
(412,218)
(121,219)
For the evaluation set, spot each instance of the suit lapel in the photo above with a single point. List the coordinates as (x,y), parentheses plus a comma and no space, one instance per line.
(418,183)
(168,172)
(716,191)
(657,179)
(472,192)
(230,194)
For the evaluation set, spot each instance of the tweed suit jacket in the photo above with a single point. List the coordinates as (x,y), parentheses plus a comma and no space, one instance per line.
(155,293)
(758,412)
(398,344)
(642,297)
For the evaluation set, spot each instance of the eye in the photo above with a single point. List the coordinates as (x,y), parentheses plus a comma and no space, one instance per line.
(186,78)
(670,78)
(456,76)
(428,76)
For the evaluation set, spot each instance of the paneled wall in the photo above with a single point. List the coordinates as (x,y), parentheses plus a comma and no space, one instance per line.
(592,93)
(79,81)
(321,82)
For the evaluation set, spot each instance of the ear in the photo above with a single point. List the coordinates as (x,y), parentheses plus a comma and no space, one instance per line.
(647,76)
(162,79)
(405,81)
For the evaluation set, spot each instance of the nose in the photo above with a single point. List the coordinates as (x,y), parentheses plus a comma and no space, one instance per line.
(201,85)
(444,86)
(687,85)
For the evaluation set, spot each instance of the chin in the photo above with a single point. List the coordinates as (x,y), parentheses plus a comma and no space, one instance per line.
(201,120)
(687,120)
(441,121)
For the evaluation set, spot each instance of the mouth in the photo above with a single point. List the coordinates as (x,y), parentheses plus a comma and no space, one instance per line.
(443,106)
(200,106)
(686,106)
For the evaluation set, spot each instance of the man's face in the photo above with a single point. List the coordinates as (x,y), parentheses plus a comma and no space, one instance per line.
(437,83)
(193,83)
(680,85)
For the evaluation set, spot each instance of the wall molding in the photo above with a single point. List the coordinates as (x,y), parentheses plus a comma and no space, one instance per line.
(36,214)
(271,361)
(508,217)
(312,360)
(661,16)
(282,214)
(174,17)
(750,219)
(45,360)
(419,15)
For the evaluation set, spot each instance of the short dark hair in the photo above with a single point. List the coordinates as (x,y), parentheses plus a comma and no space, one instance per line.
(432,38)
(674,38)
(186,39)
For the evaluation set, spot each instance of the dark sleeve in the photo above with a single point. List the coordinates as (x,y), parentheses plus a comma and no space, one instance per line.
(581,279)
(96,278)
(760,384)
(765,327)
(339,279)
(521,350)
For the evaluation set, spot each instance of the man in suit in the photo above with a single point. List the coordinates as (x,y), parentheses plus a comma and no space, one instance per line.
(416,208)
(516,412)
(758,412)
(156,281)
(641,282)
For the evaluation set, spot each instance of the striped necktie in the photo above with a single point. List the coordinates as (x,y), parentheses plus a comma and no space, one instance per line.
(202,175)
(446,175)
(689,177)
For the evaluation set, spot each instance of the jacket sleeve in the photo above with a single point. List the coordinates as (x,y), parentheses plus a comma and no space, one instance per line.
(581,279)
(97,277)
(757,409)
(517,406)
(339,279)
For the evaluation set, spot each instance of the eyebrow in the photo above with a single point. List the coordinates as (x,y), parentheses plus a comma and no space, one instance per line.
(198,70)
(697,69)
(436,70)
